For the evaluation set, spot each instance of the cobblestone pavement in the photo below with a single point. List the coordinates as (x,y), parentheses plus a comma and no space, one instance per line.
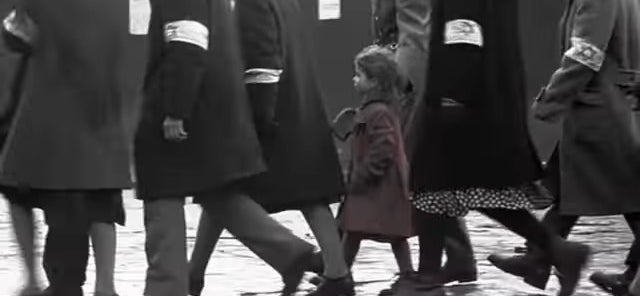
(236,271)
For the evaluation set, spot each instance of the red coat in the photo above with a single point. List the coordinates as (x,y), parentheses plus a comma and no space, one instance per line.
(378,199)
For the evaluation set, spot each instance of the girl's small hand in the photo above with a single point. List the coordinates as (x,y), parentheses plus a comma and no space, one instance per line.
(174,129)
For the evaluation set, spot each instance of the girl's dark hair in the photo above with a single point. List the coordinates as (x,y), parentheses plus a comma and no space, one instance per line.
(378,64)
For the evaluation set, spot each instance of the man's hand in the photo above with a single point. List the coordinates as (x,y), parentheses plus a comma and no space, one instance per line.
(174,129)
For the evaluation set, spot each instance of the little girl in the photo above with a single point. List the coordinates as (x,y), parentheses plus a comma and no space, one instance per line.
(377,205)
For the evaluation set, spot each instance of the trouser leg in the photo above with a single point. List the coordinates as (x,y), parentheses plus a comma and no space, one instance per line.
(165,248)
(67,243)
(431,235)
(458,244)
(253,227)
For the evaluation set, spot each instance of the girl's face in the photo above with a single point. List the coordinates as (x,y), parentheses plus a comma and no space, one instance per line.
(362,83)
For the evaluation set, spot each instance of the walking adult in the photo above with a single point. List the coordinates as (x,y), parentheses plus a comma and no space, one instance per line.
(304,171)
(597,162)
(473,150)
(196,138)
(68,149)
(405,26)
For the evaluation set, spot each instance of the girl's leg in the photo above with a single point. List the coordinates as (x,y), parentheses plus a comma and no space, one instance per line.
(402,252)
(351,245)
(24,230)
(104,239)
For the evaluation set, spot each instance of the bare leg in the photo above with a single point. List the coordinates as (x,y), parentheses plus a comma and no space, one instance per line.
(325,229)
(104,240)
(24,230)
(402,252)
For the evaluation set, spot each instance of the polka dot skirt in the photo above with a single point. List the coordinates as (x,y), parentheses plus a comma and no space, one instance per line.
(459,202)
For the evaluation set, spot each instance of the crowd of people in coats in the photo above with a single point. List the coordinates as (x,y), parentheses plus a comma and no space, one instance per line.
(232,114)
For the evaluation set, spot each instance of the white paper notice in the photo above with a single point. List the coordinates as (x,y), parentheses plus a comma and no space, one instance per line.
(328,9)
(139,16)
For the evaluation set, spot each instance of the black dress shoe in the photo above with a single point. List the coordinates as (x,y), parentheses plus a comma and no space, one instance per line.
(532,270)
(343,286)
(613,283)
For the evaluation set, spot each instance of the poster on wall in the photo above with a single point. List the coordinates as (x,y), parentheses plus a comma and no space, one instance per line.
(139,16)
(329,9)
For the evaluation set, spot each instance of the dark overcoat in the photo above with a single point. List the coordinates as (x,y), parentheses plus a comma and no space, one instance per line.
(204,88)
(72,128)
(471,130)
(303,165)
(599,152)
(12,69)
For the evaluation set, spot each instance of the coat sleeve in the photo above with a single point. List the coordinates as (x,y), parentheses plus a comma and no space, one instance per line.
(379,156)
(263,54)
(593,27)
(186,41)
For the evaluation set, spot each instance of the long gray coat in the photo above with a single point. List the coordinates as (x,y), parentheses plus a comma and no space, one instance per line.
(600,146)
(72,129)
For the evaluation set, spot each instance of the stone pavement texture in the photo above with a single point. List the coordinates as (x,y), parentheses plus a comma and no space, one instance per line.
(236,271)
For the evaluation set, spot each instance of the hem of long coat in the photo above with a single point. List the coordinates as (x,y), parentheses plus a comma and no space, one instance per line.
(596,213)
(233,183)
(327,200)
(39,185)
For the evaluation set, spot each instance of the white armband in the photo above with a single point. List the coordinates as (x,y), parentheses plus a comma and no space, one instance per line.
(463,32)
(187,31)
(261,75)
(585,53)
